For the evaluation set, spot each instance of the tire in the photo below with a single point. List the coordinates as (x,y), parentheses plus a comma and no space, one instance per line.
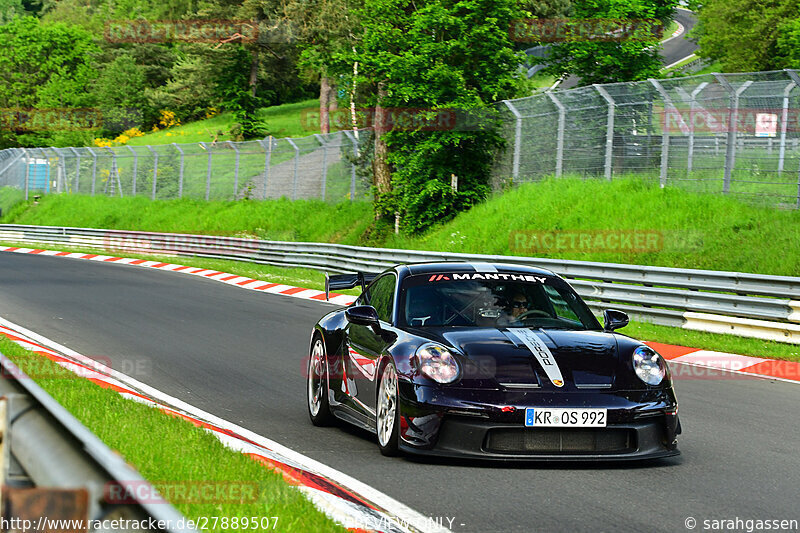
(319,410)
(387,417)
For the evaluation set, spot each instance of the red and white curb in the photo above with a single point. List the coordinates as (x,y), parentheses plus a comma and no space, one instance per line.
(729,363)
(346,500)
(216,275)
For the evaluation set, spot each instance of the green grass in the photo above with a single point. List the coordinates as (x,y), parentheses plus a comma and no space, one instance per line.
(541,81)
(713,67)
(302,220)
(698,230)
(168,449)
(11,198)
(672,28)
(287,120)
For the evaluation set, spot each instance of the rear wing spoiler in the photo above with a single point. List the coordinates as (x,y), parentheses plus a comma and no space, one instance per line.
(339,282)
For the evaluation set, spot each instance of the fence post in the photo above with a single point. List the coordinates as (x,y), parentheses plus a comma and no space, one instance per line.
(94,168)
(692,109)
(664,132)
(562,118)
(77,168)
(785,115)
(235,170)
(517,138)
(267,144)
(113,174)
(609,130)
(208,170)
(180,171)
(62,169)
(27,171)
(354,140)
(296,160)
(324,162)
(135,169)
(155,170)
(733,118)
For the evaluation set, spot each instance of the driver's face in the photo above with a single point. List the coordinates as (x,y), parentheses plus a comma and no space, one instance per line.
(518,306)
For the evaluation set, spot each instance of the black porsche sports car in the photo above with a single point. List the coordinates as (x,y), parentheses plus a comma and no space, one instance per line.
(494,361)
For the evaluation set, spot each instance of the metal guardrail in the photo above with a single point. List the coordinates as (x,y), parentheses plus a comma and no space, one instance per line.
(54,468)
(668,296)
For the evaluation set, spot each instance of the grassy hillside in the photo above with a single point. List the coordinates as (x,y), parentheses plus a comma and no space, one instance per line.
(699,230)
(303,220)
(287,120)
(694,230)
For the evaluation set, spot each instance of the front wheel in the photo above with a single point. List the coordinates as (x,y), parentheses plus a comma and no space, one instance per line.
(317,388)
(388,415)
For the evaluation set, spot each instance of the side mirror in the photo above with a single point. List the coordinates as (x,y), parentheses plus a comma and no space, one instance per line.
(613,319)
(363,315)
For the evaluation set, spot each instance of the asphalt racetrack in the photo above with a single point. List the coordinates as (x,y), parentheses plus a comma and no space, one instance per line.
(238,354)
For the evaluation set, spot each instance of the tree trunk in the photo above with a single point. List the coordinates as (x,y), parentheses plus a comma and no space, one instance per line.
(380,168)
(253,70)
(325,90)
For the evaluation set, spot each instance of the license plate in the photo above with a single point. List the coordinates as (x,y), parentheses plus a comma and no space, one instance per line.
(557,418)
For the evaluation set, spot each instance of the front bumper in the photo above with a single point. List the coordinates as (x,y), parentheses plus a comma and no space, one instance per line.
(489,424)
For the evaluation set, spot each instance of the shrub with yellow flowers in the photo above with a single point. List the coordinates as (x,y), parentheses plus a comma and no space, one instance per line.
(168,119)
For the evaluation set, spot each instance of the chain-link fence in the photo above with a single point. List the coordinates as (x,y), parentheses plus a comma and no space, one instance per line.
(317,166)
(721,133)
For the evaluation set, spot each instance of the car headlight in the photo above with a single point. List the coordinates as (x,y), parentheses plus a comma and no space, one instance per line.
(437,363)
(648,365)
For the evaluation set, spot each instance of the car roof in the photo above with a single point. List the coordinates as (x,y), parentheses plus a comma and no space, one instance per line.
(442,267)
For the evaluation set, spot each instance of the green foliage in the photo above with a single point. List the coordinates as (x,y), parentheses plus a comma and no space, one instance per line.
(612,61)
(10,9)
(749,35)
(431,56)
(120,92)
(232,85)
(44,66)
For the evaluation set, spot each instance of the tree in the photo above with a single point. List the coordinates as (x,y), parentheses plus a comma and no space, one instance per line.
(744,35)
(429,58)
(326,30)
(10,9)
(608,61)
(45,66)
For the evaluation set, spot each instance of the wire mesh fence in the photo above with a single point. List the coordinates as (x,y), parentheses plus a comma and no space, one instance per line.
(318,166)
(721,133)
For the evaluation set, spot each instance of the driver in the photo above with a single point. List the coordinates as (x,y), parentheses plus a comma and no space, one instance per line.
(517,305)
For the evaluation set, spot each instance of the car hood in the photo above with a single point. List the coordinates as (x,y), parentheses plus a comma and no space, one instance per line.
(534,358)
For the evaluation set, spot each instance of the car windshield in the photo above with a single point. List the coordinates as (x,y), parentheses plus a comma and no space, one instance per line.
(512,300)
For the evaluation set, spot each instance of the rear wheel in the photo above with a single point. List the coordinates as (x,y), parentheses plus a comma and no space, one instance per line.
(318,407)
(388,412)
